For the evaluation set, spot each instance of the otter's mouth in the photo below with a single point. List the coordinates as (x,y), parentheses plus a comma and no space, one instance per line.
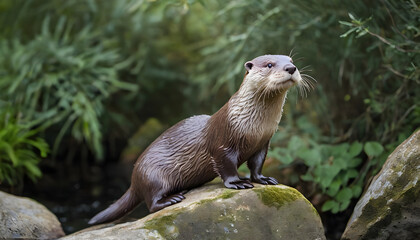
(286,82)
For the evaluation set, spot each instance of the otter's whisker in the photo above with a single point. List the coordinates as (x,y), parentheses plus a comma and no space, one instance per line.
(305,68)
(291,52)
(305,85)
(298,59)
(302,90)
(309,76)
(308,86)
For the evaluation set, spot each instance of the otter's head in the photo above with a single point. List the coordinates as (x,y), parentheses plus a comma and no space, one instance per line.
(271,73)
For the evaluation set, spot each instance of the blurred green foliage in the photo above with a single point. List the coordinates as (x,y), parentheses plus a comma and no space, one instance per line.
(368,81)
(336,169)
(90,72)
(63,79)
(19,147)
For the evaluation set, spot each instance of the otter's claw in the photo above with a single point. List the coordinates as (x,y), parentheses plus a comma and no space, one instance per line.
(240,184)
(265,180)
(175,198)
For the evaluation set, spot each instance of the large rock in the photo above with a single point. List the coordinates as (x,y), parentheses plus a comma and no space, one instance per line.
(214,212)
(390,208)
(26,219)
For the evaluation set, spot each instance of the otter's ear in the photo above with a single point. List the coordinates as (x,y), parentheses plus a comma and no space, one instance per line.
(248,65)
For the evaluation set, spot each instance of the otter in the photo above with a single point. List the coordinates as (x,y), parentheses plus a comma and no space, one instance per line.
(200,148)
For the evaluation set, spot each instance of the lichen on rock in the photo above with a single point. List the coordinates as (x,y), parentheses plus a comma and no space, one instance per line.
(390,208)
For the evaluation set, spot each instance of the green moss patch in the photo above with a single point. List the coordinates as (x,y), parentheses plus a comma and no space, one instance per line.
(164,225)
(277,197)
(228,193)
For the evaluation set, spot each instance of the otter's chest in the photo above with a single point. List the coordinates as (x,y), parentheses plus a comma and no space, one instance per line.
(255,119)
(253,137)
(255,125)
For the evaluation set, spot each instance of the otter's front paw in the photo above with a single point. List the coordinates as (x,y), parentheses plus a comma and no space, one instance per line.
(265,180)
(239,184)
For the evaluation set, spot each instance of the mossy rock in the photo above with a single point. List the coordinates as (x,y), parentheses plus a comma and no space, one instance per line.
(24,218)
(214,212)
(390,208)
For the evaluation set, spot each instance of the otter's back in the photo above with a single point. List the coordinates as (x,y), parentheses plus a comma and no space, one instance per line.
(179,154)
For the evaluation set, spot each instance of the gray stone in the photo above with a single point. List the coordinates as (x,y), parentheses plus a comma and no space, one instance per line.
(26,219)
(390,208)
(215,212)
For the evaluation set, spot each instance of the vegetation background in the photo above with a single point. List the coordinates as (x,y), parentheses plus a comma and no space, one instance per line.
(78,79)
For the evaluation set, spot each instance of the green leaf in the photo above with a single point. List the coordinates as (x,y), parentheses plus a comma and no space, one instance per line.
(357,190)
(344,205)
(311,157)
(354,162)
(333,188)
(295,143)
(373,149)
(352,17)
(32,168)
(335,209)
(352,173)
(339,163)
(346,23)
(243,169)
(339,150)
(328,205)
(286,159)
(362,33)
(325,174)
(274,153)
(348,32)
(307,177)
(344,194)
(10,152)
(355,149)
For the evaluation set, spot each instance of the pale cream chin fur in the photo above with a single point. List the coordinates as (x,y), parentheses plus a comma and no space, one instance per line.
(257,108)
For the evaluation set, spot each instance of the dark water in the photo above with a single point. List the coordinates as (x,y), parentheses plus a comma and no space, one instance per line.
(75,197)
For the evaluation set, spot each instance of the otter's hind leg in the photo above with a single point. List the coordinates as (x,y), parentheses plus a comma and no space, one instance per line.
(159,201)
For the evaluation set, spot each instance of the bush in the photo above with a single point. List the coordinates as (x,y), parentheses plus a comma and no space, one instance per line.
(90,72)
(19,148)
(81,71)
(63,80)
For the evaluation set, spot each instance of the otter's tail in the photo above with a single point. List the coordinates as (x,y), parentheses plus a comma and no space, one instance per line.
(121,207)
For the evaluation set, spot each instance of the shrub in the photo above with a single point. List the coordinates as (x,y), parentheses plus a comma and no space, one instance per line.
(63,80)
(19,148)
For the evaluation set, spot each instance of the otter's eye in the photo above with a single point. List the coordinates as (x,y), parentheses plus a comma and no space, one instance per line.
(269,65)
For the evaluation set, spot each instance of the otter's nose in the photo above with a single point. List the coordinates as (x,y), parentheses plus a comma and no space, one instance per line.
(290,68)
